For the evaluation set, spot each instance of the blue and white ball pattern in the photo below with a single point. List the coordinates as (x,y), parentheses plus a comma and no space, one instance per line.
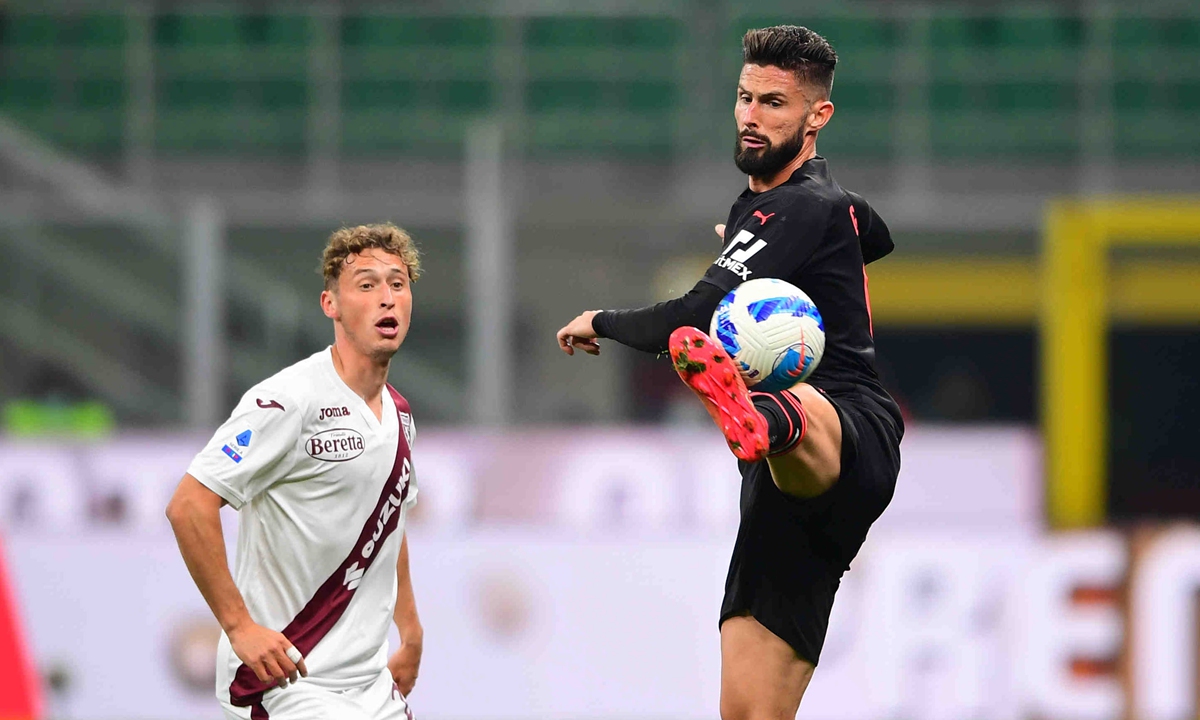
(773,332)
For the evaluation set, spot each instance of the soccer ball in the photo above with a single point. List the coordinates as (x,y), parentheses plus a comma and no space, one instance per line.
(773,332)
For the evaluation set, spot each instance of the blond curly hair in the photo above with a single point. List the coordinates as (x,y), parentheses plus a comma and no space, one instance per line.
(349,241)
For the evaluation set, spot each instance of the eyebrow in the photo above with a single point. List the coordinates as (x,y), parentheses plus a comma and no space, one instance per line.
(394,270)
(773,95)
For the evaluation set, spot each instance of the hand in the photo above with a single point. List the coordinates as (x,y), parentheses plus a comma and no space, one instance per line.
(404,664)
(579,334)
(720,228)
(266,653)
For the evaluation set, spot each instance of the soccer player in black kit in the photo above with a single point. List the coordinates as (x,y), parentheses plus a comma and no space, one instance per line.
(819,461)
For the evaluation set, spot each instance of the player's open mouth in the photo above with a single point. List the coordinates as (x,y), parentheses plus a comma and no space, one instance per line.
(388,327)
(753,142)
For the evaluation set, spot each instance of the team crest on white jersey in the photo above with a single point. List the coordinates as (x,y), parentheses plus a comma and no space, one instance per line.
(407,422)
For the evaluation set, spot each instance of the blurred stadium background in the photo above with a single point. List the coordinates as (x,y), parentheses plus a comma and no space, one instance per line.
(169,172)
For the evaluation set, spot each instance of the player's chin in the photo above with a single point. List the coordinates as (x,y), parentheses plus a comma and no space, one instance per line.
(390,343)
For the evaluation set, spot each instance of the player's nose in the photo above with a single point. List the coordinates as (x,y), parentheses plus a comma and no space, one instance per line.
(748,115)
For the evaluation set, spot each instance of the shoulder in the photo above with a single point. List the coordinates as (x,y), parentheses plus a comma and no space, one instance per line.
(286,388)
(407,425)
(401,402)
(788,204)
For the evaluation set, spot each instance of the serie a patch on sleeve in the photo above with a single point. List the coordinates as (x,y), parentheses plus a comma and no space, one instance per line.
(236,450)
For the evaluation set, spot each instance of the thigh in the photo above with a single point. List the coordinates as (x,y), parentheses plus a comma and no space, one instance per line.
(815,464)
(384,701)
(762,677)
(304,701)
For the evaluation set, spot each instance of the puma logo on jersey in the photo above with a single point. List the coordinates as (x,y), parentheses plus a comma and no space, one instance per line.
(334,412)
(268,405)
(762,219)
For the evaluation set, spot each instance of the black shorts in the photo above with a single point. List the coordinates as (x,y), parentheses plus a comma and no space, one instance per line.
(790,553)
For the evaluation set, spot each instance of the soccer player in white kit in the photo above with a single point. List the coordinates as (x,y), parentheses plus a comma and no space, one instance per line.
(316,460)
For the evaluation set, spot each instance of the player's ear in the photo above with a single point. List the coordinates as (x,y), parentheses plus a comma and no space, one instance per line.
(329,304)
(819,115)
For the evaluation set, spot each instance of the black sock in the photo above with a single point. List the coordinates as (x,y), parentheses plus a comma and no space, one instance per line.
(785,419)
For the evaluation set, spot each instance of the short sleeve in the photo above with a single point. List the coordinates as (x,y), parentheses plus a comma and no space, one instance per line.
(252,449)
(773,241)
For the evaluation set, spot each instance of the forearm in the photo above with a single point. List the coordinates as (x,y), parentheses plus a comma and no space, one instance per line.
(649,328)
(202,544)
(405,614)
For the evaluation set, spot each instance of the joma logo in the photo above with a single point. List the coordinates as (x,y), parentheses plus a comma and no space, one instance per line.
(334,412)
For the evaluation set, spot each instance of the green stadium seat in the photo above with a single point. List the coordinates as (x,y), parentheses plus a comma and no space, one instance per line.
(185,30)
(1132,96)
(31,30)
(615,33)
(950,31)
(847,34)
(465,95)
(18,94)
(377,94)
(648,96)
(392,31)
(99,94)
(288,31)
(237,81)
(951,95)
(1184,96)
(198,93)
(1134,32)
(855,96)
(95,30)
(277,94)
(544,95)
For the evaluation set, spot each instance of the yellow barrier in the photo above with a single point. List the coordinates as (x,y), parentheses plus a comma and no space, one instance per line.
(1077,288)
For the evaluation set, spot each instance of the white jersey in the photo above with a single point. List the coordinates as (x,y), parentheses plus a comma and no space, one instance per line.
(322,487)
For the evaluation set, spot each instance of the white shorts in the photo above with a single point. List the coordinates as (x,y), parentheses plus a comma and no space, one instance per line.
(381,700)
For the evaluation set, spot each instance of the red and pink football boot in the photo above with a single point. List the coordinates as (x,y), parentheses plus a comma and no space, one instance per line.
(709,371)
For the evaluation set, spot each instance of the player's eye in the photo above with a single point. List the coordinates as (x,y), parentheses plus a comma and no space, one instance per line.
(398,285)
(365,286)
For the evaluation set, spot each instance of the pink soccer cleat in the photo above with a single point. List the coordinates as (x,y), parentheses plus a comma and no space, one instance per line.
(709,371)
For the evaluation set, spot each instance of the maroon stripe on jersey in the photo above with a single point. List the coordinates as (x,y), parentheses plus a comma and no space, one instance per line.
(258,712)
(330,601)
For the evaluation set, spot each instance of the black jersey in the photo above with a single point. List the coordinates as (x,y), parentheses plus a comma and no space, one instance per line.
(815,235)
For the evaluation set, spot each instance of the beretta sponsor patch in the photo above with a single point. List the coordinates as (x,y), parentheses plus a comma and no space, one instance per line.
(336,445)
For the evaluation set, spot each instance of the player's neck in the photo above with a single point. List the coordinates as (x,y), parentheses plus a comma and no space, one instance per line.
(365,376)
(762,184)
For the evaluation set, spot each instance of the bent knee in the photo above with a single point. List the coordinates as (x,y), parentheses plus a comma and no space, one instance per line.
(815,464)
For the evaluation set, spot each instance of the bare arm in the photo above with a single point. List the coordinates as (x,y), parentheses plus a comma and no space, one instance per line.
(195,516)
(405,663)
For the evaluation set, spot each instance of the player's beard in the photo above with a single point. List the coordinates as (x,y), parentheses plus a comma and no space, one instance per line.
(767,161)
